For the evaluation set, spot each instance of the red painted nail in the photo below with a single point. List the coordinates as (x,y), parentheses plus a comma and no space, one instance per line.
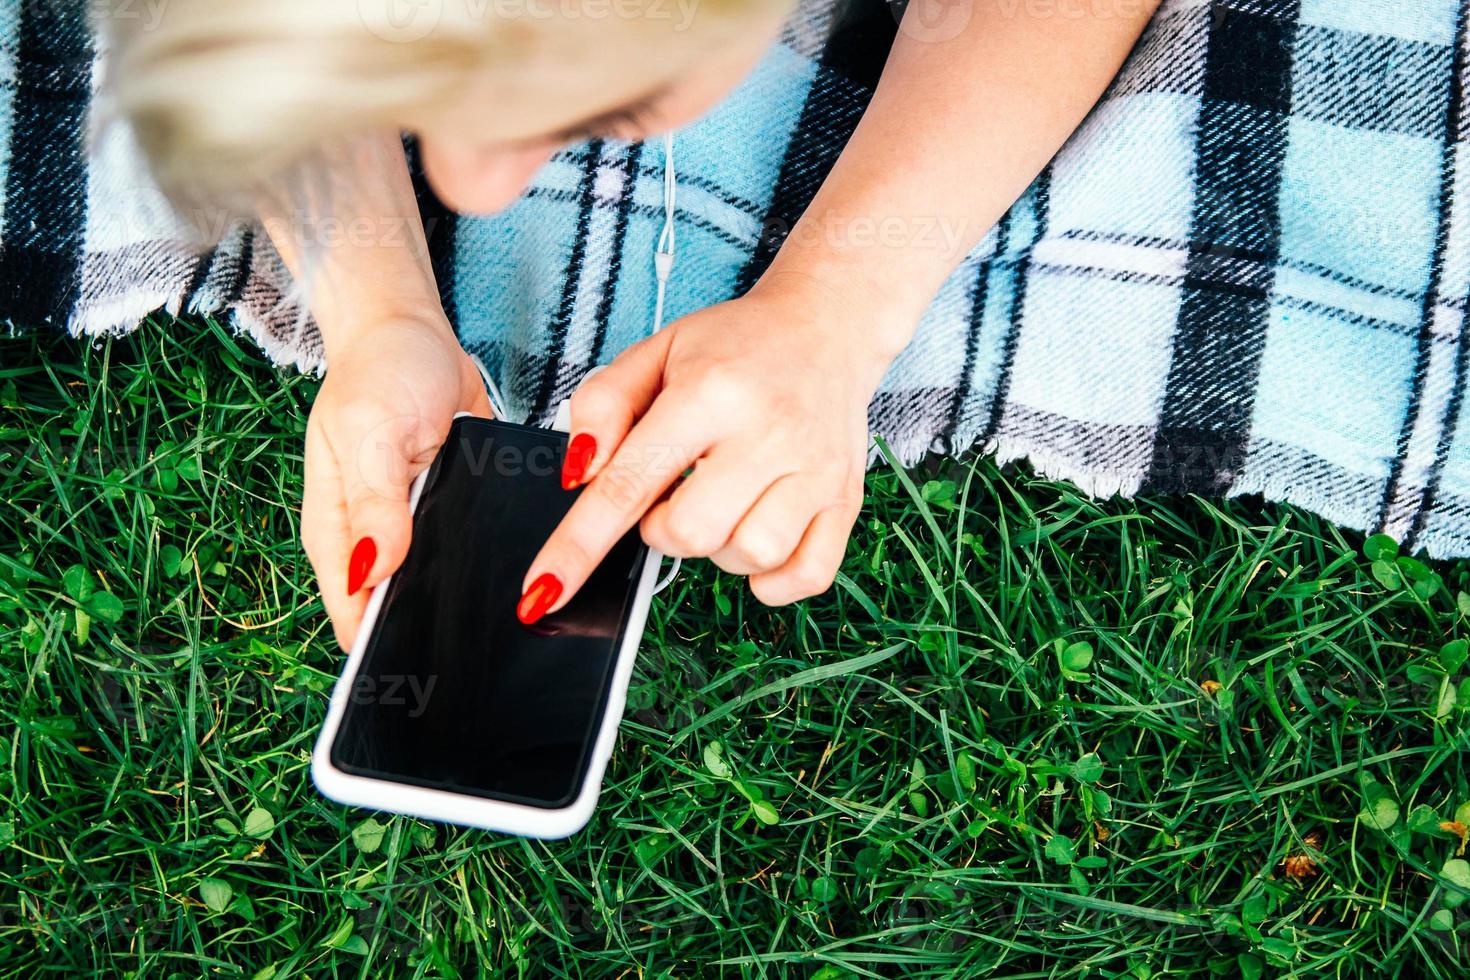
(541,596)
(579,457)
(364,553)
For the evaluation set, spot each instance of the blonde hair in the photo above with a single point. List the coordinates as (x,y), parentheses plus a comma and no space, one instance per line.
(227,95)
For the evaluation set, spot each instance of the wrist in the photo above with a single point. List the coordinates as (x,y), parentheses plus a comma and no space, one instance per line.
(363,330)
(873,327)
(822,327)
(877,278)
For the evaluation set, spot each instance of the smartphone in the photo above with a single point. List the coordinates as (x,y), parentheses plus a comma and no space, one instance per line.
(449,708)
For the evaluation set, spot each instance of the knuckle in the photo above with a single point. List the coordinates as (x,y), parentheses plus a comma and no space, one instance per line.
(769,592)
(593,403)
(734,565)
(615,488)
(365,498)
(834,473)
(826,470)
(810,578)
(759,548)
(690,536)
(390,427)
(850,500)
(726,387)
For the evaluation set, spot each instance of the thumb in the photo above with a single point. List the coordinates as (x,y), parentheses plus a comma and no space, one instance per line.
(379,461)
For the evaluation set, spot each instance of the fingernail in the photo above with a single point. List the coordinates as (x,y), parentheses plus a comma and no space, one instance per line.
(364,553)
(579,457)
(541,596)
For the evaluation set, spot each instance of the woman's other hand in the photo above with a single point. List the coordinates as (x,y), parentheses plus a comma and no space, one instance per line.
(765,398)
(380,417)
(396,375)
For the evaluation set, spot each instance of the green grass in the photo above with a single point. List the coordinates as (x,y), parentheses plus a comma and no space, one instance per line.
(991,749)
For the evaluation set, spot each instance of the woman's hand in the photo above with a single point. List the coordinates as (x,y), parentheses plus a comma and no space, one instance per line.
(766,397)
(380,417)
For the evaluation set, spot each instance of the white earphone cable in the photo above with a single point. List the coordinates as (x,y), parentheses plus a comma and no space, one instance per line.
(663,255)
(663,268)
(492,390)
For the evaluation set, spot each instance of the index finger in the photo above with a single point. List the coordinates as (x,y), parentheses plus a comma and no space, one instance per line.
(664,444)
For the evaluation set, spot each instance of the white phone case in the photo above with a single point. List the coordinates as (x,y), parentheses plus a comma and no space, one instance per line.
(474,811)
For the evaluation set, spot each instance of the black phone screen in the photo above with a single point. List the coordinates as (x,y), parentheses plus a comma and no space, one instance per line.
(453,692)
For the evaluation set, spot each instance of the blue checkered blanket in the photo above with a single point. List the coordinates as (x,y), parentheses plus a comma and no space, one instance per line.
(1245,274)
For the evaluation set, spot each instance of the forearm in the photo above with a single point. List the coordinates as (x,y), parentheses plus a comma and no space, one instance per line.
(956,131)
(352,236)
